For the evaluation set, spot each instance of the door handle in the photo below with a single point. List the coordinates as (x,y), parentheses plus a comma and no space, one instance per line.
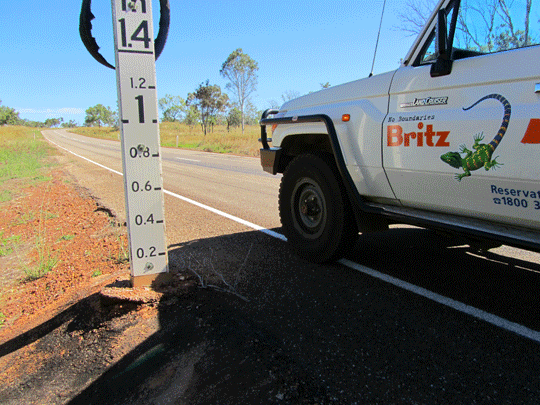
(537,88)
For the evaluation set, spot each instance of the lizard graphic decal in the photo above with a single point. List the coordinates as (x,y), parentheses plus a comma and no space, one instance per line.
(482,154)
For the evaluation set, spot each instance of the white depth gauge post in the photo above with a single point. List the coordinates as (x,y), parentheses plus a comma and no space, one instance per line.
(141,159)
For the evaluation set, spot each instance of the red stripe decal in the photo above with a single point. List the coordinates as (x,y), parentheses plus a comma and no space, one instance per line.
(532,135)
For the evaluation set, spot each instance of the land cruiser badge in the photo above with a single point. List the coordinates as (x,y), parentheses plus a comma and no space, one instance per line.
(425,102)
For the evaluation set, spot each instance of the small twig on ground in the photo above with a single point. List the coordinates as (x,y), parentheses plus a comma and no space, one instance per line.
(209,263)
(242,266)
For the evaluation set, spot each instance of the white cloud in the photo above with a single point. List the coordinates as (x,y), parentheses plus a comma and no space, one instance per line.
(67,110)
(70,110)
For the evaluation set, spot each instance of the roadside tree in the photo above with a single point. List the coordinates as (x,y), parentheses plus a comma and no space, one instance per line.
(192,116)
(53,122)
(8,116)
(173,108)
(209,102)
(33,124)
(69,124)
(100,115)
(252,115)
(241,71)
(234,118)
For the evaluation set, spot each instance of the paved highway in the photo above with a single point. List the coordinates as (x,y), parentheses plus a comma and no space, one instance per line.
(234,184)
(410,317)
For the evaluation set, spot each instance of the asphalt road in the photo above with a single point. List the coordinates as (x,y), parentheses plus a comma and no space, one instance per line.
(234,184)
(427,321)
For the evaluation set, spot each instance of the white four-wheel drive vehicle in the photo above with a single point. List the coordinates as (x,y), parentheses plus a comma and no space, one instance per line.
(450,140)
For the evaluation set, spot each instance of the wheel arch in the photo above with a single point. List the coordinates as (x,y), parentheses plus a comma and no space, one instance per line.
(367,218)
(294,145)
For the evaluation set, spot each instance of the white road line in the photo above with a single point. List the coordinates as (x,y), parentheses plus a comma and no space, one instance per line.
(82,157)
(229,216)
(458,306)
(190,160)
(188,200)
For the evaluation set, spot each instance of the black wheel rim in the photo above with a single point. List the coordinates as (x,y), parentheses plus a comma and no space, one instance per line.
(309,208)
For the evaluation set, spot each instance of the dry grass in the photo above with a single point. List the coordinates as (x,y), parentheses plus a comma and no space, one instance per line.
(175,134)
(95,132)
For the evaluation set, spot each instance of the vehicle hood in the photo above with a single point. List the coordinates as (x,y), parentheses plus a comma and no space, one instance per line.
(375,86)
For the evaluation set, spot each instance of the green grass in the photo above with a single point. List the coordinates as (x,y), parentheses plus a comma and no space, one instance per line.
(6,195)
(2,319)
(23,160)
(45,263)
(219,140)
(23,155)
(122,256)
(6,244)
(22,152)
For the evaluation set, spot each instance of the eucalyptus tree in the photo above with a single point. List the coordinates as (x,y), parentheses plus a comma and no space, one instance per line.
(172,107)
(209,101)
(98,115)
(241,71)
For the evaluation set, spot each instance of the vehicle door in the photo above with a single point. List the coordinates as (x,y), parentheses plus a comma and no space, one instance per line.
(463,133)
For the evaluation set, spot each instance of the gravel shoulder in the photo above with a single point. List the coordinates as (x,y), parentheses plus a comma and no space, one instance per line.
(80,334)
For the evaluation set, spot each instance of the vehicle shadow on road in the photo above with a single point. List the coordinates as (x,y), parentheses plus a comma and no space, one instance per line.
(207,350)
(502,280)
(219,348)
(282,330)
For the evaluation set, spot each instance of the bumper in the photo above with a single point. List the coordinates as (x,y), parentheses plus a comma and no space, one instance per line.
(269,156)
(270,159)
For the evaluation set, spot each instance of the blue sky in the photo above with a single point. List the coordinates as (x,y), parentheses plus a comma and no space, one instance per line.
(45,70)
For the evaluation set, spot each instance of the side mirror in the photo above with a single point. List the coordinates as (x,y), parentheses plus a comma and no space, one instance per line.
(443,64)
(441,41)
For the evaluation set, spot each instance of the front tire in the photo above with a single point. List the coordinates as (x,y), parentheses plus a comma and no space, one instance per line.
(315,213)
